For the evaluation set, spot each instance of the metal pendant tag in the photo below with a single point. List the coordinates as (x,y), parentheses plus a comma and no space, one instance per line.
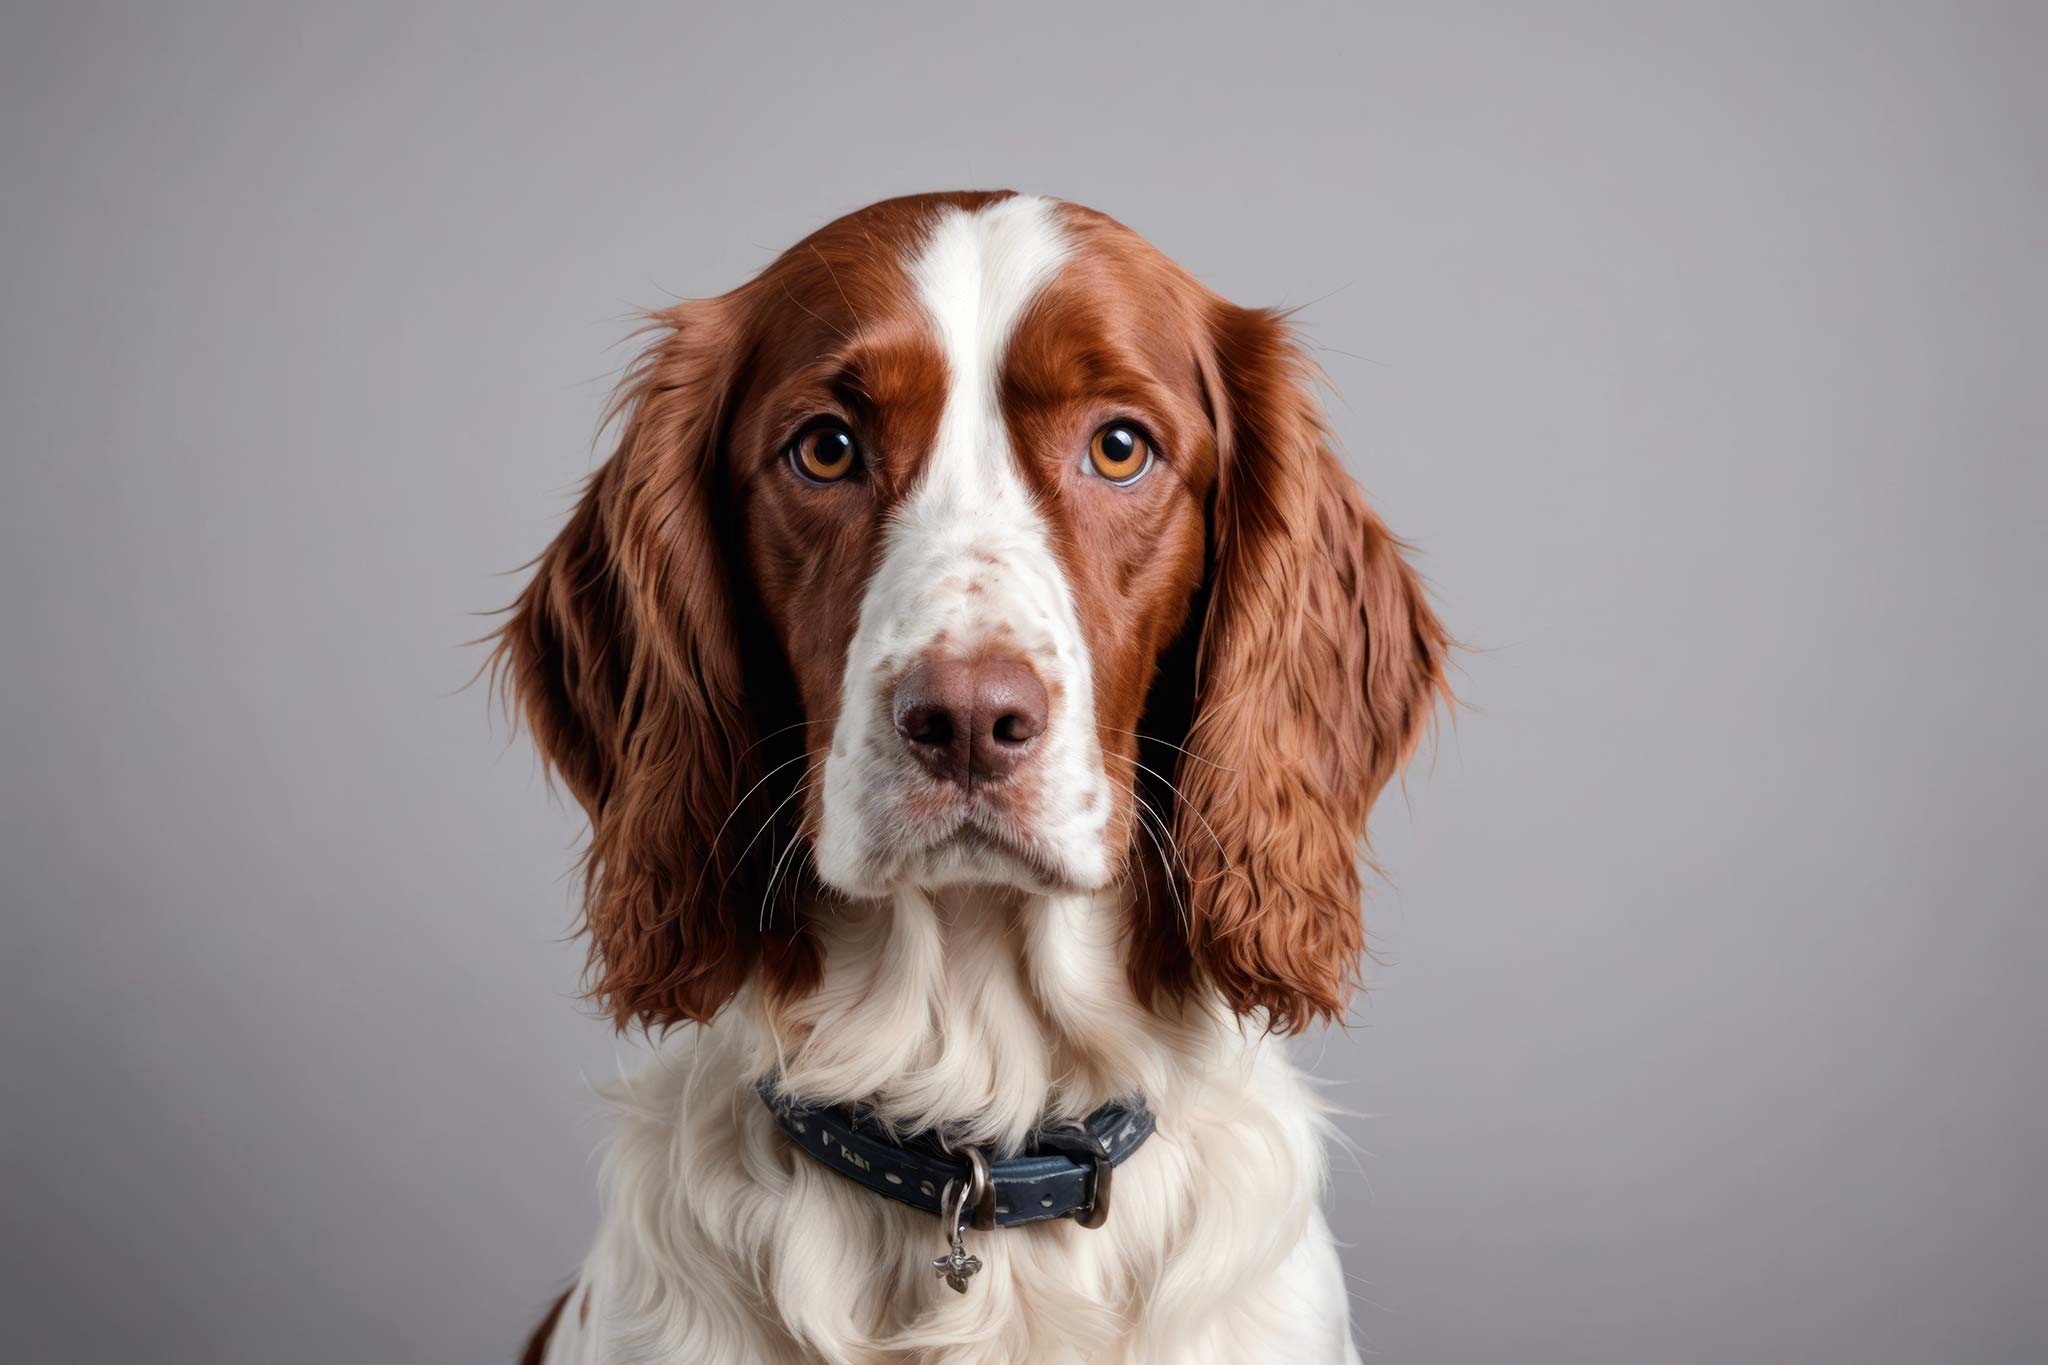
(957,1267)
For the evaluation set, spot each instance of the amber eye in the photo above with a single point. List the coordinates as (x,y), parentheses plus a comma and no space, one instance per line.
(824,454)
(1120,453)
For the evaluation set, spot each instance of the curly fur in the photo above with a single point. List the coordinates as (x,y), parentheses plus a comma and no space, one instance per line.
(667,680)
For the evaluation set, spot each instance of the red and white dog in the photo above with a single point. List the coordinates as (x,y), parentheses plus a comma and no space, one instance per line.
(977,671)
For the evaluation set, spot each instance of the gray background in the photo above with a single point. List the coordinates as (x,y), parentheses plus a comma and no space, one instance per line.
(1698,349)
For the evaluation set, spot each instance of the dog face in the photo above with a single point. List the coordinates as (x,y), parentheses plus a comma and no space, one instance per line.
(973,542)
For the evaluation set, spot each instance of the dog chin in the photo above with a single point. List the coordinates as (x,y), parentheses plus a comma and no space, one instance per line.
(969,856)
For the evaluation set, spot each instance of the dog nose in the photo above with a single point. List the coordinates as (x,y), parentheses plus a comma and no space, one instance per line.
(970,718)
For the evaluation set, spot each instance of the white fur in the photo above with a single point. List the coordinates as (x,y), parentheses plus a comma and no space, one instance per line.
(962,996)
(981,1009)
(968,563)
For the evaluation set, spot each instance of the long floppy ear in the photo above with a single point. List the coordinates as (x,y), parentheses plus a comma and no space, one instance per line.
(1318,668)
(627,661)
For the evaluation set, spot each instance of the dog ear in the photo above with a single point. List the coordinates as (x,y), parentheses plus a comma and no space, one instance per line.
(1318,668)
(625,658)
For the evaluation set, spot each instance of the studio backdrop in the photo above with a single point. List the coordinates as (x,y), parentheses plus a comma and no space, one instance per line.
(1697,350)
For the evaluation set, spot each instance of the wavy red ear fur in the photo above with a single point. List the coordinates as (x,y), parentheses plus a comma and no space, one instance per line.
(626,660)
(1318,668)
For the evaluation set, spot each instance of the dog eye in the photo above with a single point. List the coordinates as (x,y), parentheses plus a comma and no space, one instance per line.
(824,454)
(1120,453)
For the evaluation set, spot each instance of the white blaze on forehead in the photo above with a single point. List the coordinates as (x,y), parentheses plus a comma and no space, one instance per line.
(976,276)
(969,541)
(967,559)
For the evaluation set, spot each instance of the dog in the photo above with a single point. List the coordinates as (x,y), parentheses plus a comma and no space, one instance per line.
(977,670)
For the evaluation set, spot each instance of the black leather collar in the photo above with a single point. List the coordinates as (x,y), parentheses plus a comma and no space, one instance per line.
(1065,1173)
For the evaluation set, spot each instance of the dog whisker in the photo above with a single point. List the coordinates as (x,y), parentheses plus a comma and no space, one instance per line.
(698,885)
(795,792)
(1187,926)
(1154,739)
(1191,808)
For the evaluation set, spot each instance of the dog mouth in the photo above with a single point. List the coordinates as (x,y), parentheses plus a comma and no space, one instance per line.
(974,849)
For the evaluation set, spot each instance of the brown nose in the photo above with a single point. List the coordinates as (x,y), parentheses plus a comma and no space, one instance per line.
(969,719)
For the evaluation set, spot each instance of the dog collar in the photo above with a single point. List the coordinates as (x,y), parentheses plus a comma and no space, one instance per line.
(1066,1173)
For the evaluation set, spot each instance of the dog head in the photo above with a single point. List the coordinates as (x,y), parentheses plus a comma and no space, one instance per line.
(973,542)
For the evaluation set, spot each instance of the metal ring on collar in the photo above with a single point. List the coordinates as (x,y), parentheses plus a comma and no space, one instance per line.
(984,1184)
(975,1193)
(953,1212)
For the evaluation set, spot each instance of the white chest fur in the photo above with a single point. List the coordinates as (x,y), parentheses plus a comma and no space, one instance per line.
(719,1242)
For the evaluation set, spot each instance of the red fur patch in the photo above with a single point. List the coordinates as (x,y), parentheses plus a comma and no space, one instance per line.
(1264,659)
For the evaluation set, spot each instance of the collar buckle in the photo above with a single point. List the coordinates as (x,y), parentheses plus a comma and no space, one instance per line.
(1080,1144)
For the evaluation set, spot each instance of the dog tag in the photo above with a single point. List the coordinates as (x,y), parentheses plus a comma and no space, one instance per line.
(957,1267)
